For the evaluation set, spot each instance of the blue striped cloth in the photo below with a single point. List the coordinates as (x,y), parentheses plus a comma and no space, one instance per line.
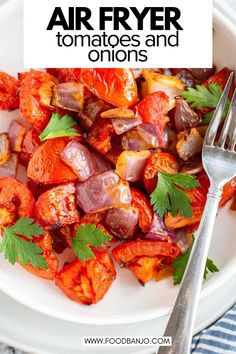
(219,338)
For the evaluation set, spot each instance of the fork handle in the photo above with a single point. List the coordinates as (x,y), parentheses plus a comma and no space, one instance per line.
(181,322)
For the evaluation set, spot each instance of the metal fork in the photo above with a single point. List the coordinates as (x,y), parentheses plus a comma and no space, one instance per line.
(219,161)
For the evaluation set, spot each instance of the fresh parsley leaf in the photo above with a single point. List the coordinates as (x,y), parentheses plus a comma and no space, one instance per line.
(27,228)
(86,236)
(208,116)
(59,126)
(210,267)
(17,249)
(168,197)
(202,97)
(180,263)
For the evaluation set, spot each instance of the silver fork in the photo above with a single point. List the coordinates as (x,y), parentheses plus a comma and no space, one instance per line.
(219,162)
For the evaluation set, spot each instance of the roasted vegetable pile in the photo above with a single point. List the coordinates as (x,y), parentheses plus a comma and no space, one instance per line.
(114,172)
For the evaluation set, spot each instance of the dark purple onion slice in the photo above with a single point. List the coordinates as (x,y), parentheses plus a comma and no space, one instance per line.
(79,159)
(102,192)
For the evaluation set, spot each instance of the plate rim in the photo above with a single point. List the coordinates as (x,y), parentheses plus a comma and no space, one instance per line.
(198,327)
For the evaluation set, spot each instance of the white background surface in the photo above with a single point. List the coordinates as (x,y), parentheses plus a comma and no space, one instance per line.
(38,40)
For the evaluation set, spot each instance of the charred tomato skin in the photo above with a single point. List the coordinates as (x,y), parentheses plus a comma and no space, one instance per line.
(46,166)
(31,107)
(87,282)
(56,207)
(144,257)
(45,243)
(101,135)
(9,92)
(158,162)
(198,200)
(14,192)
(141,202)
(116,86)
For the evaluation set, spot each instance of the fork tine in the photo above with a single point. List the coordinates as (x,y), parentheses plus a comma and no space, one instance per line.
(228,124)
(215,122)
(232,128)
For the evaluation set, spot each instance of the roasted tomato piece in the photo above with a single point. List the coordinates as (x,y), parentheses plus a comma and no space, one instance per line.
(45,243)
(56,207)
(144,268)
(229,191)
(100,135)
(153,109)
(30,142)
(16,200)
(53,71)
(158,162)
(45,165)
(144,257)
(87,282)
(35,97)
(116,86)
(9,92)
(141,202)
(67,75)
(198,200)
(151,248)
(220,78)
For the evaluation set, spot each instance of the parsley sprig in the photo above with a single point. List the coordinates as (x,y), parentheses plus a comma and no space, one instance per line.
(168,197)
(59,126)
(86,236)
(180,264)
(17,249)
(203,97)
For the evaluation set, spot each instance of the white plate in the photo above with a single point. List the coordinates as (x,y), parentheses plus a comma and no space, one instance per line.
(28,330)
(127,301)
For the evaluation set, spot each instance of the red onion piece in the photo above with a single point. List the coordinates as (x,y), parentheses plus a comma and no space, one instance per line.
(68,95)
(183,239)
(102,165)
(4,148)
(202,74)
(122,222)
(103,192)
(187,78)
(172,86)
(189,143)
(158,230)
(93,107)
(79,159)
(120,112)
(130,165)
(145,136)
(184,116)
(9,168)
(16,135)
(123,125)
(193,167)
